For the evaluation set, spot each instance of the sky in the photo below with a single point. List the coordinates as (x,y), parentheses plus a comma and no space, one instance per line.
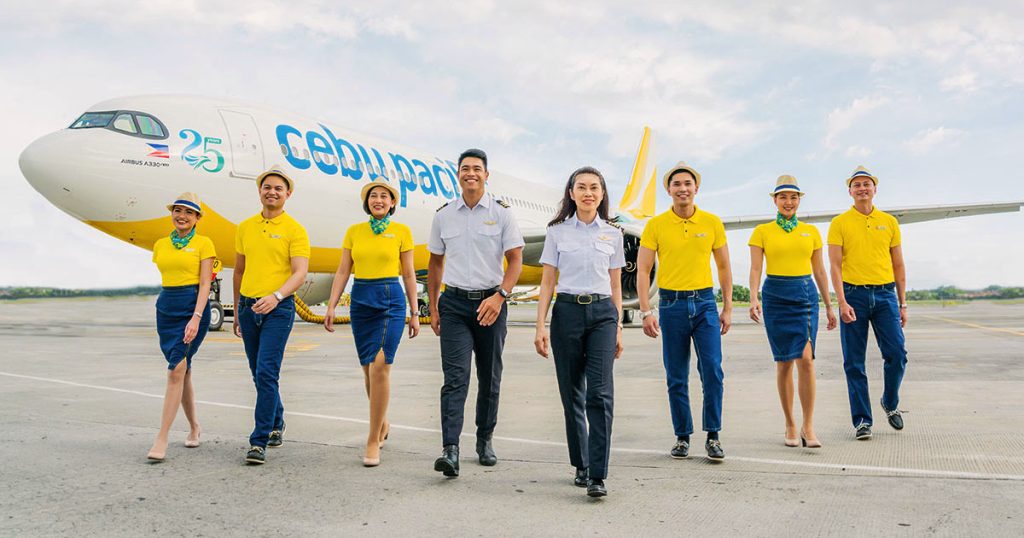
(927,98)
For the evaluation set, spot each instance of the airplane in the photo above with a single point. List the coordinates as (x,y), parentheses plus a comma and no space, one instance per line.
(116,166)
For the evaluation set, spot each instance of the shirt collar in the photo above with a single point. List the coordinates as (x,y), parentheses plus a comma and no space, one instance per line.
(576,222)
(853,209)
(276,220)
(695,217)
(484,202)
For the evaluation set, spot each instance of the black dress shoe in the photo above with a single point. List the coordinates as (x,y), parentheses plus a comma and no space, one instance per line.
(448,463)
(595,488)
(863,431)
(681,450)
(276,438)
(485,450)
(581,477)
(895,418)
(714,448)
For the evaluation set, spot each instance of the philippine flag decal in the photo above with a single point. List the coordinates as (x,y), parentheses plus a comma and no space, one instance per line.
(160,151)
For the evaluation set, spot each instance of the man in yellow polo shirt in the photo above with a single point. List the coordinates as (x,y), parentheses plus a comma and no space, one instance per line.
(271,260)
(684,238)
(870,282)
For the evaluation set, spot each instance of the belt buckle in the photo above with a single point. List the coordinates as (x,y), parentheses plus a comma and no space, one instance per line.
(475,295)
(579,298)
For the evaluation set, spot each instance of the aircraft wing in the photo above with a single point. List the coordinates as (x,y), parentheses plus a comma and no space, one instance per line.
(904,215)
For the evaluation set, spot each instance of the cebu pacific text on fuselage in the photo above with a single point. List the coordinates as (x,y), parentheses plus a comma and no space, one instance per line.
(332,155)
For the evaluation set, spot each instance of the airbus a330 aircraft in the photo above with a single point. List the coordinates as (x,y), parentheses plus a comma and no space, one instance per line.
(118,164)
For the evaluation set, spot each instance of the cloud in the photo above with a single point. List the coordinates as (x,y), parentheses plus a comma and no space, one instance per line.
(926,140)
(858,152)
(841,119)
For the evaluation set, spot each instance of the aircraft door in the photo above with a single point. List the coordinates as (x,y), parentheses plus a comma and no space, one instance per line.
(246,147)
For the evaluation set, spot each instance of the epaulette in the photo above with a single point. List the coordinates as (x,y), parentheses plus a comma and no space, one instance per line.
(502,203)
(444,206)
(614,225)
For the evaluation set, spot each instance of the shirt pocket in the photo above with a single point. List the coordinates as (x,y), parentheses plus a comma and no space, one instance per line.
(604,248)
(450,232)
(490,230)
(568,246)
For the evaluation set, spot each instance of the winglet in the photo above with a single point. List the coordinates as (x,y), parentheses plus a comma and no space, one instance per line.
(639,198)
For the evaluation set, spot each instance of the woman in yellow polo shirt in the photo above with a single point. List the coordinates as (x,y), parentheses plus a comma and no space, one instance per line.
(377,251)
(185,260)
(793,251)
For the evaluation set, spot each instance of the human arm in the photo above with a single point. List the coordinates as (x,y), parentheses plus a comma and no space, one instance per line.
(725,283)
(205,280)
(541,340)
(409,279)
(435,269)
(490,307)
(818,268)
(835,261)
(341,277)
(644,264)
(899,271)
(756,263)
(236,286)
(615,275)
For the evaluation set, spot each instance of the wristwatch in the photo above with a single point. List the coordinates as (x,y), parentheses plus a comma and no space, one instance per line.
(645,313)
(278,295)
(503,293)
(904,305)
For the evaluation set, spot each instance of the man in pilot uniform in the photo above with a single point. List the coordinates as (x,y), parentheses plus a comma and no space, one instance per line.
(468,239)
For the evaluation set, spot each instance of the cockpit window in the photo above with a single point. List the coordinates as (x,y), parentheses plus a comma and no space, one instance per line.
(149,126)
(127,122)
(93,119)
(123,122)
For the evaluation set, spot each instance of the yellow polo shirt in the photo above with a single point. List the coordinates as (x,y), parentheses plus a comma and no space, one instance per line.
(180,267)
(268,246)
(866,240)
(788,254)
(377,255)
(684,248)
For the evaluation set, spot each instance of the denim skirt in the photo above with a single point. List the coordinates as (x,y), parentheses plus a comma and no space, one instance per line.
(174,309)
(790,305)
(377,311)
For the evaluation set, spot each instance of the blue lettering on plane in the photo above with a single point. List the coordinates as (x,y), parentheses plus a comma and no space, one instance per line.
(332,155)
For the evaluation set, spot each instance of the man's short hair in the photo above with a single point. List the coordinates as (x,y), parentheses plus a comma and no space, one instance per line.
(473,152)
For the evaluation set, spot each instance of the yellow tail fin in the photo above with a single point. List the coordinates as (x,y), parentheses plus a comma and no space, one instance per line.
(639,198)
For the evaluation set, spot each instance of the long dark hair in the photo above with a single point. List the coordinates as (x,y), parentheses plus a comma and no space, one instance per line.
(568,206)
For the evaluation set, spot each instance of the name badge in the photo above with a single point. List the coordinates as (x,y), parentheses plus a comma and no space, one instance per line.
(189,249)
(389,236)
(805,234)
(603,237)
(701,235)
(274,236)
(881,227)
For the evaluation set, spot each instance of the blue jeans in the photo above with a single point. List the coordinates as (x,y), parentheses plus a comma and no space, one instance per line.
(687,315)
(265,336)
(878,306)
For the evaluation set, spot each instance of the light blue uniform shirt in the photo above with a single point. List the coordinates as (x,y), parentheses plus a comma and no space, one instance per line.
(474,242)
(583,255)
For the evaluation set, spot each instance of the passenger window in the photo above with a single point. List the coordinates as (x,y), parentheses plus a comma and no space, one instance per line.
(123,122)
(149,126)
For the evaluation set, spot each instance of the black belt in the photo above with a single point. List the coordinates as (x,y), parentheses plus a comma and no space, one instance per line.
(474,295)
(682,294)
(889,286)
(583,298)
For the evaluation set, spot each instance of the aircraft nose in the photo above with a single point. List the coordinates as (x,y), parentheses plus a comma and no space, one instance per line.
(46,165)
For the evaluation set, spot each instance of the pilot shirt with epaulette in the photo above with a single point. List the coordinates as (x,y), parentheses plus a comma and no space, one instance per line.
(583,254)
(474,241)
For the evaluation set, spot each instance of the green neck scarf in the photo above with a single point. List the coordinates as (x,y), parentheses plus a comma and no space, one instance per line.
(181,242)
(787,225)
(379,225)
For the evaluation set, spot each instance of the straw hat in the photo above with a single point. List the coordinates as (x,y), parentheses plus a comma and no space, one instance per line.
(189,200)
(786,184)
(681,167)
(276,171)
(378,183)
(861,172)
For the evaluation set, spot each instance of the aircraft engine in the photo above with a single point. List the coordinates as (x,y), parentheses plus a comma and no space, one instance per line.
(631,248)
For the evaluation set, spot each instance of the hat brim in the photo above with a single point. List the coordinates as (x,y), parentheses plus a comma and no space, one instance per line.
(851,178)
(262,177)
(370,186)
(780,191)
(190,205)
(677,169)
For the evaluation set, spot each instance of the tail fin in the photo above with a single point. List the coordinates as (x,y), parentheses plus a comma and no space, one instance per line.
(638,200)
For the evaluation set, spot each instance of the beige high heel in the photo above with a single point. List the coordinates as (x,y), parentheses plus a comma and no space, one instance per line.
(809,443)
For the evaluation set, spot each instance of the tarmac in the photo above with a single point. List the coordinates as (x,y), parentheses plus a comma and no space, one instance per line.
(81,385)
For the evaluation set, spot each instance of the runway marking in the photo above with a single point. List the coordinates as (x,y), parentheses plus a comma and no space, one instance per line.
(976,326)
(767,461)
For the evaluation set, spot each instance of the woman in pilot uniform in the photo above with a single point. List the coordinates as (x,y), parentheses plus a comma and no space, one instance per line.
(793,251)
(586,335)
(378,251)
(185,260)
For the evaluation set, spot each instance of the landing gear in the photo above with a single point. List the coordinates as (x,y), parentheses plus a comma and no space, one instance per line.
(627,316)
(218,311)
